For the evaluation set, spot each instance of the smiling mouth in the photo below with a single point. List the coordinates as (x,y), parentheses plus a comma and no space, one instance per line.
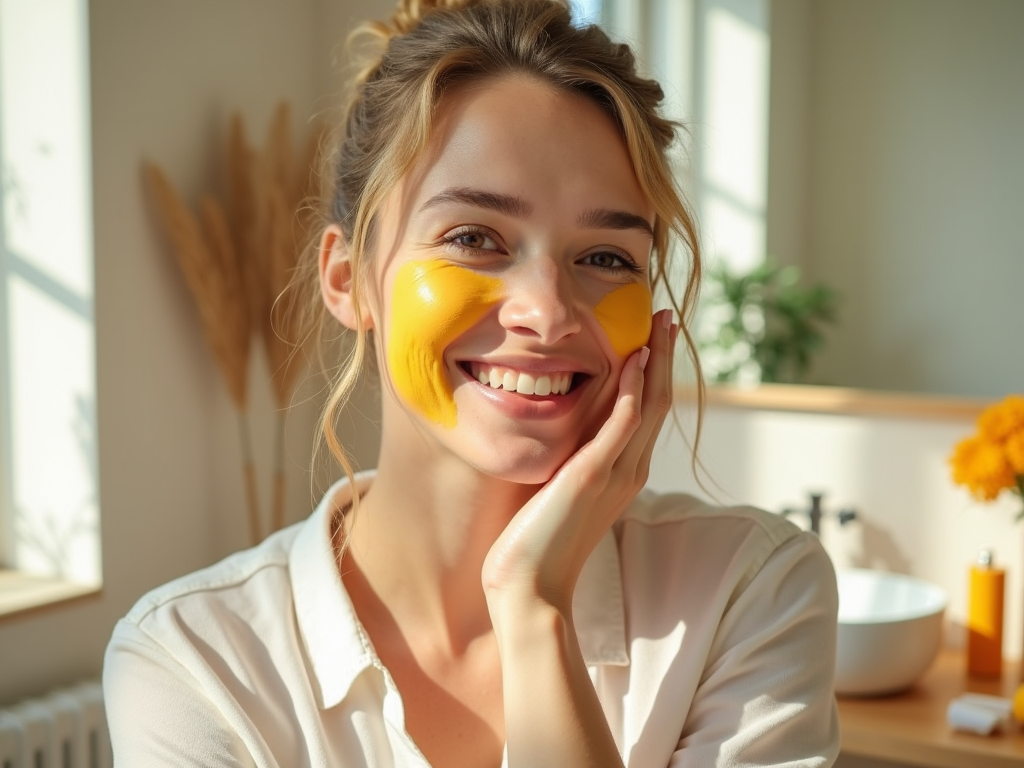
(520,382)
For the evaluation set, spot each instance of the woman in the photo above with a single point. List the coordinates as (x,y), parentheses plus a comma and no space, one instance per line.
(500,588)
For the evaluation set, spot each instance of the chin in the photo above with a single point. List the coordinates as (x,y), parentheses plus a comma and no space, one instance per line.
(524,475)
(533,464)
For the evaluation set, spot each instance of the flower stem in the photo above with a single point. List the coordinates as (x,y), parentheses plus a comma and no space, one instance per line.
(249,475)
(277,516)
(1020,492)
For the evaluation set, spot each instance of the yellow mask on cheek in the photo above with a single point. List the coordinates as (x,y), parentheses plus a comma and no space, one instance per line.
(432,304)
(625,316)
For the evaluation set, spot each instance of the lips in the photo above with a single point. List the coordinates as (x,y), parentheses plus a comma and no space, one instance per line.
(522,382)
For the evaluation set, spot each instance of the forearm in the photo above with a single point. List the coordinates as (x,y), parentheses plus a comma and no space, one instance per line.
(552,713)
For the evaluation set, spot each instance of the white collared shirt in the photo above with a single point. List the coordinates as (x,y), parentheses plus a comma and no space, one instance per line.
(709,634)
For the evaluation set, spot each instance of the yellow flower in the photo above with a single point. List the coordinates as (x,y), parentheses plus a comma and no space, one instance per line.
(992,461)
(1014,450)
(1000,421)
(980,466)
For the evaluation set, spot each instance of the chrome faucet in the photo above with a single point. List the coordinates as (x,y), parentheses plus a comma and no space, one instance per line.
(816,512)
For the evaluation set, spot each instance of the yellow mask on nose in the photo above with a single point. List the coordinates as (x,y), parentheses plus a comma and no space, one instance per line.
(434,302)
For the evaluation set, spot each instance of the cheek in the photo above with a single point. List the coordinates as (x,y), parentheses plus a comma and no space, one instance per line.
(625,316)
(432,304)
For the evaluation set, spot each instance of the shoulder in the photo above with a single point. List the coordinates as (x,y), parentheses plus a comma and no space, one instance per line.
(197,655)
(255,614)
(228,599)
(686,520)
(683,541)
(653,508)
(731,620)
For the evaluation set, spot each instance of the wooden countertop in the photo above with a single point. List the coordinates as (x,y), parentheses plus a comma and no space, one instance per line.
(911,727)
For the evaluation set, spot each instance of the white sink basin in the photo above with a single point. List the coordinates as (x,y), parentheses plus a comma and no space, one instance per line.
(890,628)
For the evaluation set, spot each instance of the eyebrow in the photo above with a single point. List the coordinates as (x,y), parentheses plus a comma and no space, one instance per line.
(603,218)
(509,205)
(517,208)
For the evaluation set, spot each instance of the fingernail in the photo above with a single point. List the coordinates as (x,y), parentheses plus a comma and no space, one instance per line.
(666,318)
(645,353)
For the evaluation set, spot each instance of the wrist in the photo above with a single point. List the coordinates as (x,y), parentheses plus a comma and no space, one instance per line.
(522,619)
(510,590)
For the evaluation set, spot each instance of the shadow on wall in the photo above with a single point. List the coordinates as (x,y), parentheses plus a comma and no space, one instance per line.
(878,550)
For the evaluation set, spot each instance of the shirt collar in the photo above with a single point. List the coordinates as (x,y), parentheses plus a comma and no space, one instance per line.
(598,609)
(338,647)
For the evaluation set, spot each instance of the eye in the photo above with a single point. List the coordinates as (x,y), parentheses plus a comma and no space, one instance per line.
(471,239)
(612,262)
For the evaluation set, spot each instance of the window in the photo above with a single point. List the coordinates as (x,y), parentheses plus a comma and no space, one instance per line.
(711,58)
(49,511)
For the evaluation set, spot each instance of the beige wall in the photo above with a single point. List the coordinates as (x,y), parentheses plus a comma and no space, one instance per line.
(164,78)
(897,176)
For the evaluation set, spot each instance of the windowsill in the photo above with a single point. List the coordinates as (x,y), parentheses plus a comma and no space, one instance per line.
(21,593)
(839,400)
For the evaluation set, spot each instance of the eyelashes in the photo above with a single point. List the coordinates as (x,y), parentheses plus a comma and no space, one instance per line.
(460,238)
(474,240)
(612,261)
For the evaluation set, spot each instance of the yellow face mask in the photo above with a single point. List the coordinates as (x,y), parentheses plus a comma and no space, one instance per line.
(625,316)
(434,302)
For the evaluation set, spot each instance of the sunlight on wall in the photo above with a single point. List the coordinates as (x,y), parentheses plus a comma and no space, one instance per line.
(50,510)
(735,121)
(711,58)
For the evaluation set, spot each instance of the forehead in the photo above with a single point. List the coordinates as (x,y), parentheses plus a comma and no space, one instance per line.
(517,135)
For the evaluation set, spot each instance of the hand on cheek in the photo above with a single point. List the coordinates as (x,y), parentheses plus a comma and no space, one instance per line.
(541,552)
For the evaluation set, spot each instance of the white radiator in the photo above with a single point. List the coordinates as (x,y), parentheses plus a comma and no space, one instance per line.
(65,729)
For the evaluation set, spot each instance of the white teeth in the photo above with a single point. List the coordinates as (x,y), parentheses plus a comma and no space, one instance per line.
(523,383)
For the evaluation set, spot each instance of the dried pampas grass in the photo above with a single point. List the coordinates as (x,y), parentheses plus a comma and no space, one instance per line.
(210,266)
(238,261)
(240,168)
(284,188)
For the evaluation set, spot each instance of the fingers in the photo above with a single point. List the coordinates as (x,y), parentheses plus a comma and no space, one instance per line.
(625,442)
(660,406)
(603,452)
(657,396)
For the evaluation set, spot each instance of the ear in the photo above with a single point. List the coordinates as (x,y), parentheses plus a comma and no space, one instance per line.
(336,281)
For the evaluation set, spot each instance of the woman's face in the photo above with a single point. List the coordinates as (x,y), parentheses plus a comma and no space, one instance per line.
(512,275)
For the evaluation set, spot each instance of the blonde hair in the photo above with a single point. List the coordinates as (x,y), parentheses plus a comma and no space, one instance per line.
(408,64)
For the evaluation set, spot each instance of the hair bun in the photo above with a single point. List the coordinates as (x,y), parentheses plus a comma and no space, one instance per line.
(410,13)
(368,41)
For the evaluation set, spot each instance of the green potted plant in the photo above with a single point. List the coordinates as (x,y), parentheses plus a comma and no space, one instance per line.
(762,325)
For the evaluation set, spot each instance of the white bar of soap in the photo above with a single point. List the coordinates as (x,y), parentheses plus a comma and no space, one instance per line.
(978,713)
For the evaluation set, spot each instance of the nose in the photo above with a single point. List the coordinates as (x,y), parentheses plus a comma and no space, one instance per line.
(540,302)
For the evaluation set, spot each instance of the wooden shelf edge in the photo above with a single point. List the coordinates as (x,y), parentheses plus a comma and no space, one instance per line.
(838,400)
